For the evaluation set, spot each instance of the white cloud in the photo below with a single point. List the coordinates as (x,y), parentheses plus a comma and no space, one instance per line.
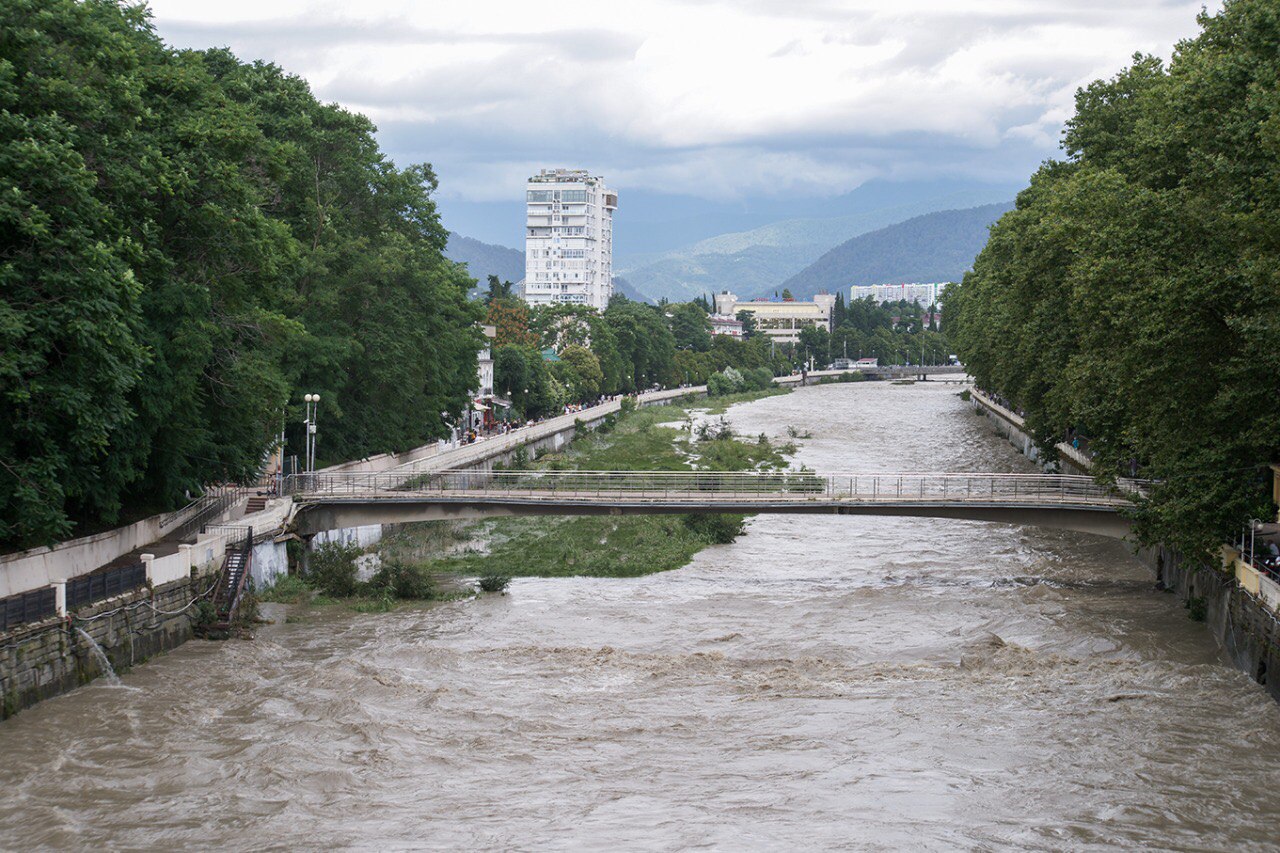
(806,94)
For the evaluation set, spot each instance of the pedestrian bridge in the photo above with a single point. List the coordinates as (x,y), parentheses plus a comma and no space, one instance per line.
(331,501)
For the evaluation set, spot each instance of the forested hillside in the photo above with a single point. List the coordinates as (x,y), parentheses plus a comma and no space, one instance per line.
(760,259)
(1134,294)
(187,244)
(934,247)
(485,259)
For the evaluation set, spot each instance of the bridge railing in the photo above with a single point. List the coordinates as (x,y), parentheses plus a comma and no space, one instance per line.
(874,486)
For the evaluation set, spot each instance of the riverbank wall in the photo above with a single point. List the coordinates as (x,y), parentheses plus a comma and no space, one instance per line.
(1239,608)
(1246,629)
(45,659)
(1011,426)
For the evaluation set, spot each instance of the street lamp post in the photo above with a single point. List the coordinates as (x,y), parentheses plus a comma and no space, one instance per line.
(309,427)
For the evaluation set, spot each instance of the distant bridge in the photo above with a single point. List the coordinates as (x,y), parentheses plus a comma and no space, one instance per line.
(887,371)
(330,501)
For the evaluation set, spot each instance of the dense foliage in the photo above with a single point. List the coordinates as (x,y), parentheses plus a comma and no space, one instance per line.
(186,242)
(734,381)
(1133,295)
(894,332)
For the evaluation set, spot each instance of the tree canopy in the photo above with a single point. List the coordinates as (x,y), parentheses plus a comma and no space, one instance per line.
(185,242)
(1133,295)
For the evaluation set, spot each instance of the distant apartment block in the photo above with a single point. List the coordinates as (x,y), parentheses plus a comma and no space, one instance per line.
(780,319)
(568,239)
(726,324)
(921,294)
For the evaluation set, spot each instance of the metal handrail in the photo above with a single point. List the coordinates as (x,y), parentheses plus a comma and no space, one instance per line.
(193,516)
(895,487)
(226,598)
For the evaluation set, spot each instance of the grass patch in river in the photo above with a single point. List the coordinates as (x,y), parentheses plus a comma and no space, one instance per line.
(605,546)
(598,546)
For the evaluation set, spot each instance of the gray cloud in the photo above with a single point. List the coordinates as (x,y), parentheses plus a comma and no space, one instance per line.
(582,45)
(838,90)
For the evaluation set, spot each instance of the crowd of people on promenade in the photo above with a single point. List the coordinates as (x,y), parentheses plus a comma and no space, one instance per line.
(1002,401)
(505,427)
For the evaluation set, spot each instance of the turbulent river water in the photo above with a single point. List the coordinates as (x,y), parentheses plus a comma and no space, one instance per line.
(854,683)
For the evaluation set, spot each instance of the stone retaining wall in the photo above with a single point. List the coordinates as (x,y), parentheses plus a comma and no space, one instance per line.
(45,659)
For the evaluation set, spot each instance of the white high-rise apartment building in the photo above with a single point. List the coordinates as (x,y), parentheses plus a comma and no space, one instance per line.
(568,244)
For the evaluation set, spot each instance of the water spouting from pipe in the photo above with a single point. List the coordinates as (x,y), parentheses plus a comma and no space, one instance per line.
(103,663)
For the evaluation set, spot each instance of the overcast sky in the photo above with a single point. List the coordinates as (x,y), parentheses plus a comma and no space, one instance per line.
(721,100)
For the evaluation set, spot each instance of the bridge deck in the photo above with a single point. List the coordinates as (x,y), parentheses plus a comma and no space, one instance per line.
(1065,502)
(703,488)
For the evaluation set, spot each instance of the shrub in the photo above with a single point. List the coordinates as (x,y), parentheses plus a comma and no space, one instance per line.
(759,379)
(718,385)
(403,580)
(1198,608)
(493,583)
(627,405)
(720,430)
(332,569)
(203,615)
(716,529)
(289,589)
(732,381)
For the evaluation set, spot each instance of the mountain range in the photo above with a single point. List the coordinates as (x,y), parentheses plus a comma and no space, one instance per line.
(934,247)
(760,259)
(485,259)
(923,238)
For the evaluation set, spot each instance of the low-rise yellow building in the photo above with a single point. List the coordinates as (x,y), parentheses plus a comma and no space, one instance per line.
(780,319)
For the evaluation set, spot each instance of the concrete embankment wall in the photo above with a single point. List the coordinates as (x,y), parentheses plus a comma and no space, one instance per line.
(48,658)
(1011,425)
(43,659)
(27,570)
(1238,606)
(1246,629)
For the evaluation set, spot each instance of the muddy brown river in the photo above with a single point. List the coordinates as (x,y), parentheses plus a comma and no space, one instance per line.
(823,683)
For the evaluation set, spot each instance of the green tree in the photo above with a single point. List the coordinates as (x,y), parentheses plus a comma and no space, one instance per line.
(498,290)
(581,372)
(690,326)
(645,343)
(1133,294)
(814,341)
(187,240)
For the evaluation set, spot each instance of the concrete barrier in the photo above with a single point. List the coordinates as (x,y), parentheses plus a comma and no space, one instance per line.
(38,567)
(1269,592)
(175,567)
